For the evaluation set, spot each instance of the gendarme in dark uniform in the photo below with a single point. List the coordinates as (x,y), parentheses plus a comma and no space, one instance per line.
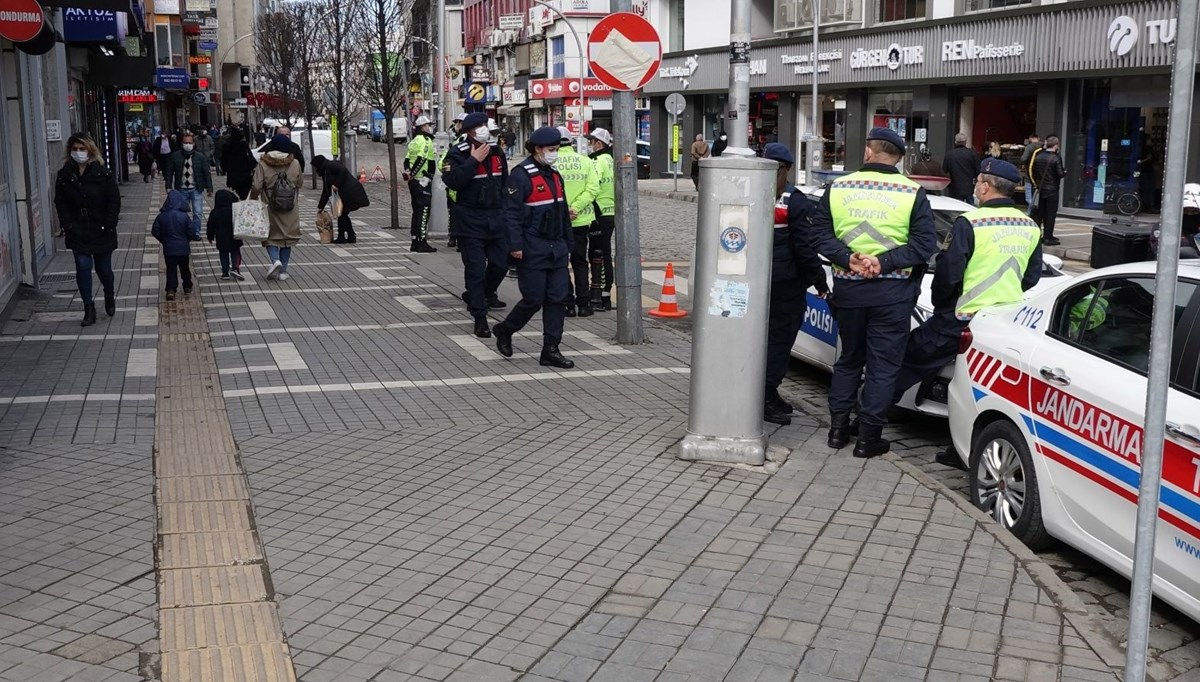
(876,228)
(993,258)
(794,268)
(478,212)
(540,240)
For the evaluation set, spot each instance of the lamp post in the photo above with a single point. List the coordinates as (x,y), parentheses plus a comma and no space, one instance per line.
(582,61)
(221,68)
(439,81)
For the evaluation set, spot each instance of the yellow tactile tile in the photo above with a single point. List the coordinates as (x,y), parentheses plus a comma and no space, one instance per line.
(197,550)
(179,587)
(226,625)
(203,517)
(270,662)
(201,489)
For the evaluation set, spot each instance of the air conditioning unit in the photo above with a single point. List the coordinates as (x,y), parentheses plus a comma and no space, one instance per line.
(535,29)
(510,36)
(496,39)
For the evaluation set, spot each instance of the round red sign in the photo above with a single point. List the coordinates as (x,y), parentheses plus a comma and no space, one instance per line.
(624,51)
(21,20)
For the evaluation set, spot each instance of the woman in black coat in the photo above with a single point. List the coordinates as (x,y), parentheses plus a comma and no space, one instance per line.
(238,163)
(89,205)
(144,152)
(337,178)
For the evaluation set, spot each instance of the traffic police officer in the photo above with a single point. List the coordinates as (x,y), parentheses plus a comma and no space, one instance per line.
(582,183)
(794,268)
(420,163)
(601,233)
(876,228)
(540,239)
(477,171)
(993,257)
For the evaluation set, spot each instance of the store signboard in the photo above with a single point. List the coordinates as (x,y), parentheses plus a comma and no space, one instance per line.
(558,88)
(997,45)
(93,25)
(166,6)
(169,78)
(512,22)
(132,95)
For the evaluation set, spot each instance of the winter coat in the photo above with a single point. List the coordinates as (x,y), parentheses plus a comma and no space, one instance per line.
(537,218)
(204,145)
(1047,172)
(288,147)
(88,206)
(201,172)
(144,152)
(285,227)
(351,191)
(478,210)
(961,165)
(239,165)
(173,226)
(220,221)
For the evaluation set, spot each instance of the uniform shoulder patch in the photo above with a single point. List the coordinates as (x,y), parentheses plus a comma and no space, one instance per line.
(512,190)
(462,146)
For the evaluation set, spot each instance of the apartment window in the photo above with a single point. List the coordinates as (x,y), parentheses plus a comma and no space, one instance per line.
(169,45)
(977,5)
(899,10)
(558,66)
(793,15)
(676,13)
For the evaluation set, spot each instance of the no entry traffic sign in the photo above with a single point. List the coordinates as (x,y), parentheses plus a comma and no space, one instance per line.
(624,51)
(21,20)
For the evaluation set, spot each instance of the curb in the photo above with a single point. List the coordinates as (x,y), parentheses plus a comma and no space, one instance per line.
(677,196)
(1073,608)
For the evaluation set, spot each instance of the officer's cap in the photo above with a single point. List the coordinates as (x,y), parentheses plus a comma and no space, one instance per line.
(475,120)
(601,135)
(544,137)
(999,168)
(777,151)
(887,135)
(564,135)
(458,118)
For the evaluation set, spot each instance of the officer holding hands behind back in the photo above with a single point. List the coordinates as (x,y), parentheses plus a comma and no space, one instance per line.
(876,228)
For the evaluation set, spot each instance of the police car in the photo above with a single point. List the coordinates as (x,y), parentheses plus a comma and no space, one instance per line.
(1046,411)
(817,341)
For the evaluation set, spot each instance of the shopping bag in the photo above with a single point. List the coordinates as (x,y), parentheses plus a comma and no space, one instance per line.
(325,227)
(335,204)
(250,220)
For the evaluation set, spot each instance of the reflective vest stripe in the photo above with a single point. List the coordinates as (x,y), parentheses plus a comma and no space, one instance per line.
(871,211)
(1005,238)
(1010,265)
(543,202)
(865,228)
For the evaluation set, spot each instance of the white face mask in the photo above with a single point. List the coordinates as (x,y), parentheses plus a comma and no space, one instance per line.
(549,157)
(481,134)
(79,157)
(188,147)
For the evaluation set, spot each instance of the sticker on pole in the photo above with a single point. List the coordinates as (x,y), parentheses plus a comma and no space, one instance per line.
(728,299)
(733,239)
(624,51)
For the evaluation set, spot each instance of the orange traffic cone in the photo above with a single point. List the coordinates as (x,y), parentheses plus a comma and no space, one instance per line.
(362,174)
(667,307)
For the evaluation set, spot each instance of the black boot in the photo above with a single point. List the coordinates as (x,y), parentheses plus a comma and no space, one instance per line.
(89,315)
(110,304)
(597,302)
(552,358)
(870,442)
(495,303)
(773,414)
(452,243)
(570,311)
(775,400)
(503,340)
(585,309)
(606,304)
(423,246)
(839,430)
(481,328)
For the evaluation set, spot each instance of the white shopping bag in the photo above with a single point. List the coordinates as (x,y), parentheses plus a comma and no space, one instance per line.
(250,220)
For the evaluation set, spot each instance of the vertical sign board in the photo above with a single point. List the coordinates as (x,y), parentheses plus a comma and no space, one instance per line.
(333,136)
(675,106)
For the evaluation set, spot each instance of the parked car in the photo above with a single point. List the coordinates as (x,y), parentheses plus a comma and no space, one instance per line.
(817,342)
(321,140)
(1046,412)
(643,160)
(363,128)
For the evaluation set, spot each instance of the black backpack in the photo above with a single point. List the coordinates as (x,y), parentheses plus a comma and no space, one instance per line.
(283,196)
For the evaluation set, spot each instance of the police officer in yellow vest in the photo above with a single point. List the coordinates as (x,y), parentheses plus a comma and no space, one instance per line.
(993,257)
(419,167)
(582,184)
(601,233)
(876,228)
(457,137)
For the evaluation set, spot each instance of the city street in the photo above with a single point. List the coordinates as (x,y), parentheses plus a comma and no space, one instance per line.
(330,478)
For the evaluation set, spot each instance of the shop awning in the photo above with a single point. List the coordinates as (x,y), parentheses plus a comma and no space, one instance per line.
(465,61)
(511,110)
(536,104)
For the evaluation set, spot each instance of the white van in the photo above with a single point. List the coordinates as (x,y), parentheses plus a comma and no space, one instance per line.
(322,141)
(400,129)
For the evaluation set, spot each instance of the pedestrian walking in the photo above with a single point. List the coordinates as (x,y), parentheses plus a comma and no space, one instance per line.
(876,228)
(219,146)
(282,142)
(601,233)
(204,144)
(220,231)
(478,172)
(144,152)
(720,145)
(337,179)
(510,141)
(582,185)
(539,238)
(239,164)
(993,257)
(188,171)
(1147,175)
(277,179)
(699,151)
(173,229)
(88,203)
(794,268)
(1046,168)
(164,146)
(1031,145)
(420,163)
(961,165)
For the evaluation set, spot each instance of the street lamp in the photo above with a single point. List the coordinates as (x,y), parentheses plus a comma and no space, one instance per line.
(439,82)
(582,60)
(221,68)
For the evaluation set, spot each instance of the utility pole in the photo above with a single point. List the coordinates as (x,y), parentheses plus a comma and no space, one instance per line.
(628,263)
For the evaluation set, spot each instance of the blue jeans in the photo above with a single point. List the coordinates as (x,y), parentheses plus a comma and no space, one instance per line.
(84,262)
(1028,197)
(195,198)
(281,254)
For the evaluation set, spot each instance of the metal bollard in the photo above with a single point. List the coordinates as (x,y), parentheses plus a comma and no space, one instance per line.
(731,293)
(439,212)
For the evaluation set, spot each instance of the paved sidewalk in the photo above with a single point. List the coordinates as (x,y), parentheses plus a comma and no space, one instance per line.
(430,510)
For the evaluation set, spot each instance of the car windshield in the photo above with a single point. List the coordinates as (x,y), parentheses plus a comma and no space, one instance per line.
(643,149)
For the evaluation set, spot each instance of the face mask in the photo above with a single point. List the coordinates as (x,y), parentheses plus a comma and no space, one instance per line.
(188,147)
(550,157)
(481,134)
(79,157)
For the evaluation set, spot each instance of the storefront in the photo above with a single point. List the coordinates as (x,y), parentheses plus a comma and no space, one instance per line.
(997,78)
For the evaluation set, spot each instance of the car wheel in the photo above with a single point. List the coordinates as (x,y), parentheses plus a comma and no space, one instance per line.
(1004,483)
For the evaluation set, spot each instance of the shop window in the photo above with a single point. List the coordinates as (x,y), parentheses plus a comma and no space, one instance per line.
(676,11)
(978,5)
(899,10)
(791,15)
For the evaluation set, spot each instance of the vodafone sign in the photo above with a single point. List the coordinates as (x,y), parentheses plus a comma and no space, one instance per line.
(20,20)
(558,88)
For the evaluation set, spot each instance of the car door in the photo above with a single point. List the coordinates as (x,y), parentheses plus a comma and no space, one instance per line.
(1087,397)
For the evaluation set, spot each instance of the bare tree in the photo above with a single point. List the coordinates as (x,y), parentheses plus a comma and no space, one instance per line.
(279,57)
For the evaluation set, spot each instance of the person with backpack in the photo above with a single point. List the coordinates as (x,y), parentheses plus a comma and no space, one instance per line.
(277,181)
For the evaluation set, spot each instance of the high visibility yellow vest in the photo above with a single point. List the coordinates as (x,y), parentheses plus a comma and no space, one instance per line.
(580,183)
(420,153)
(1005,238)
(606,200)
(871,212)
